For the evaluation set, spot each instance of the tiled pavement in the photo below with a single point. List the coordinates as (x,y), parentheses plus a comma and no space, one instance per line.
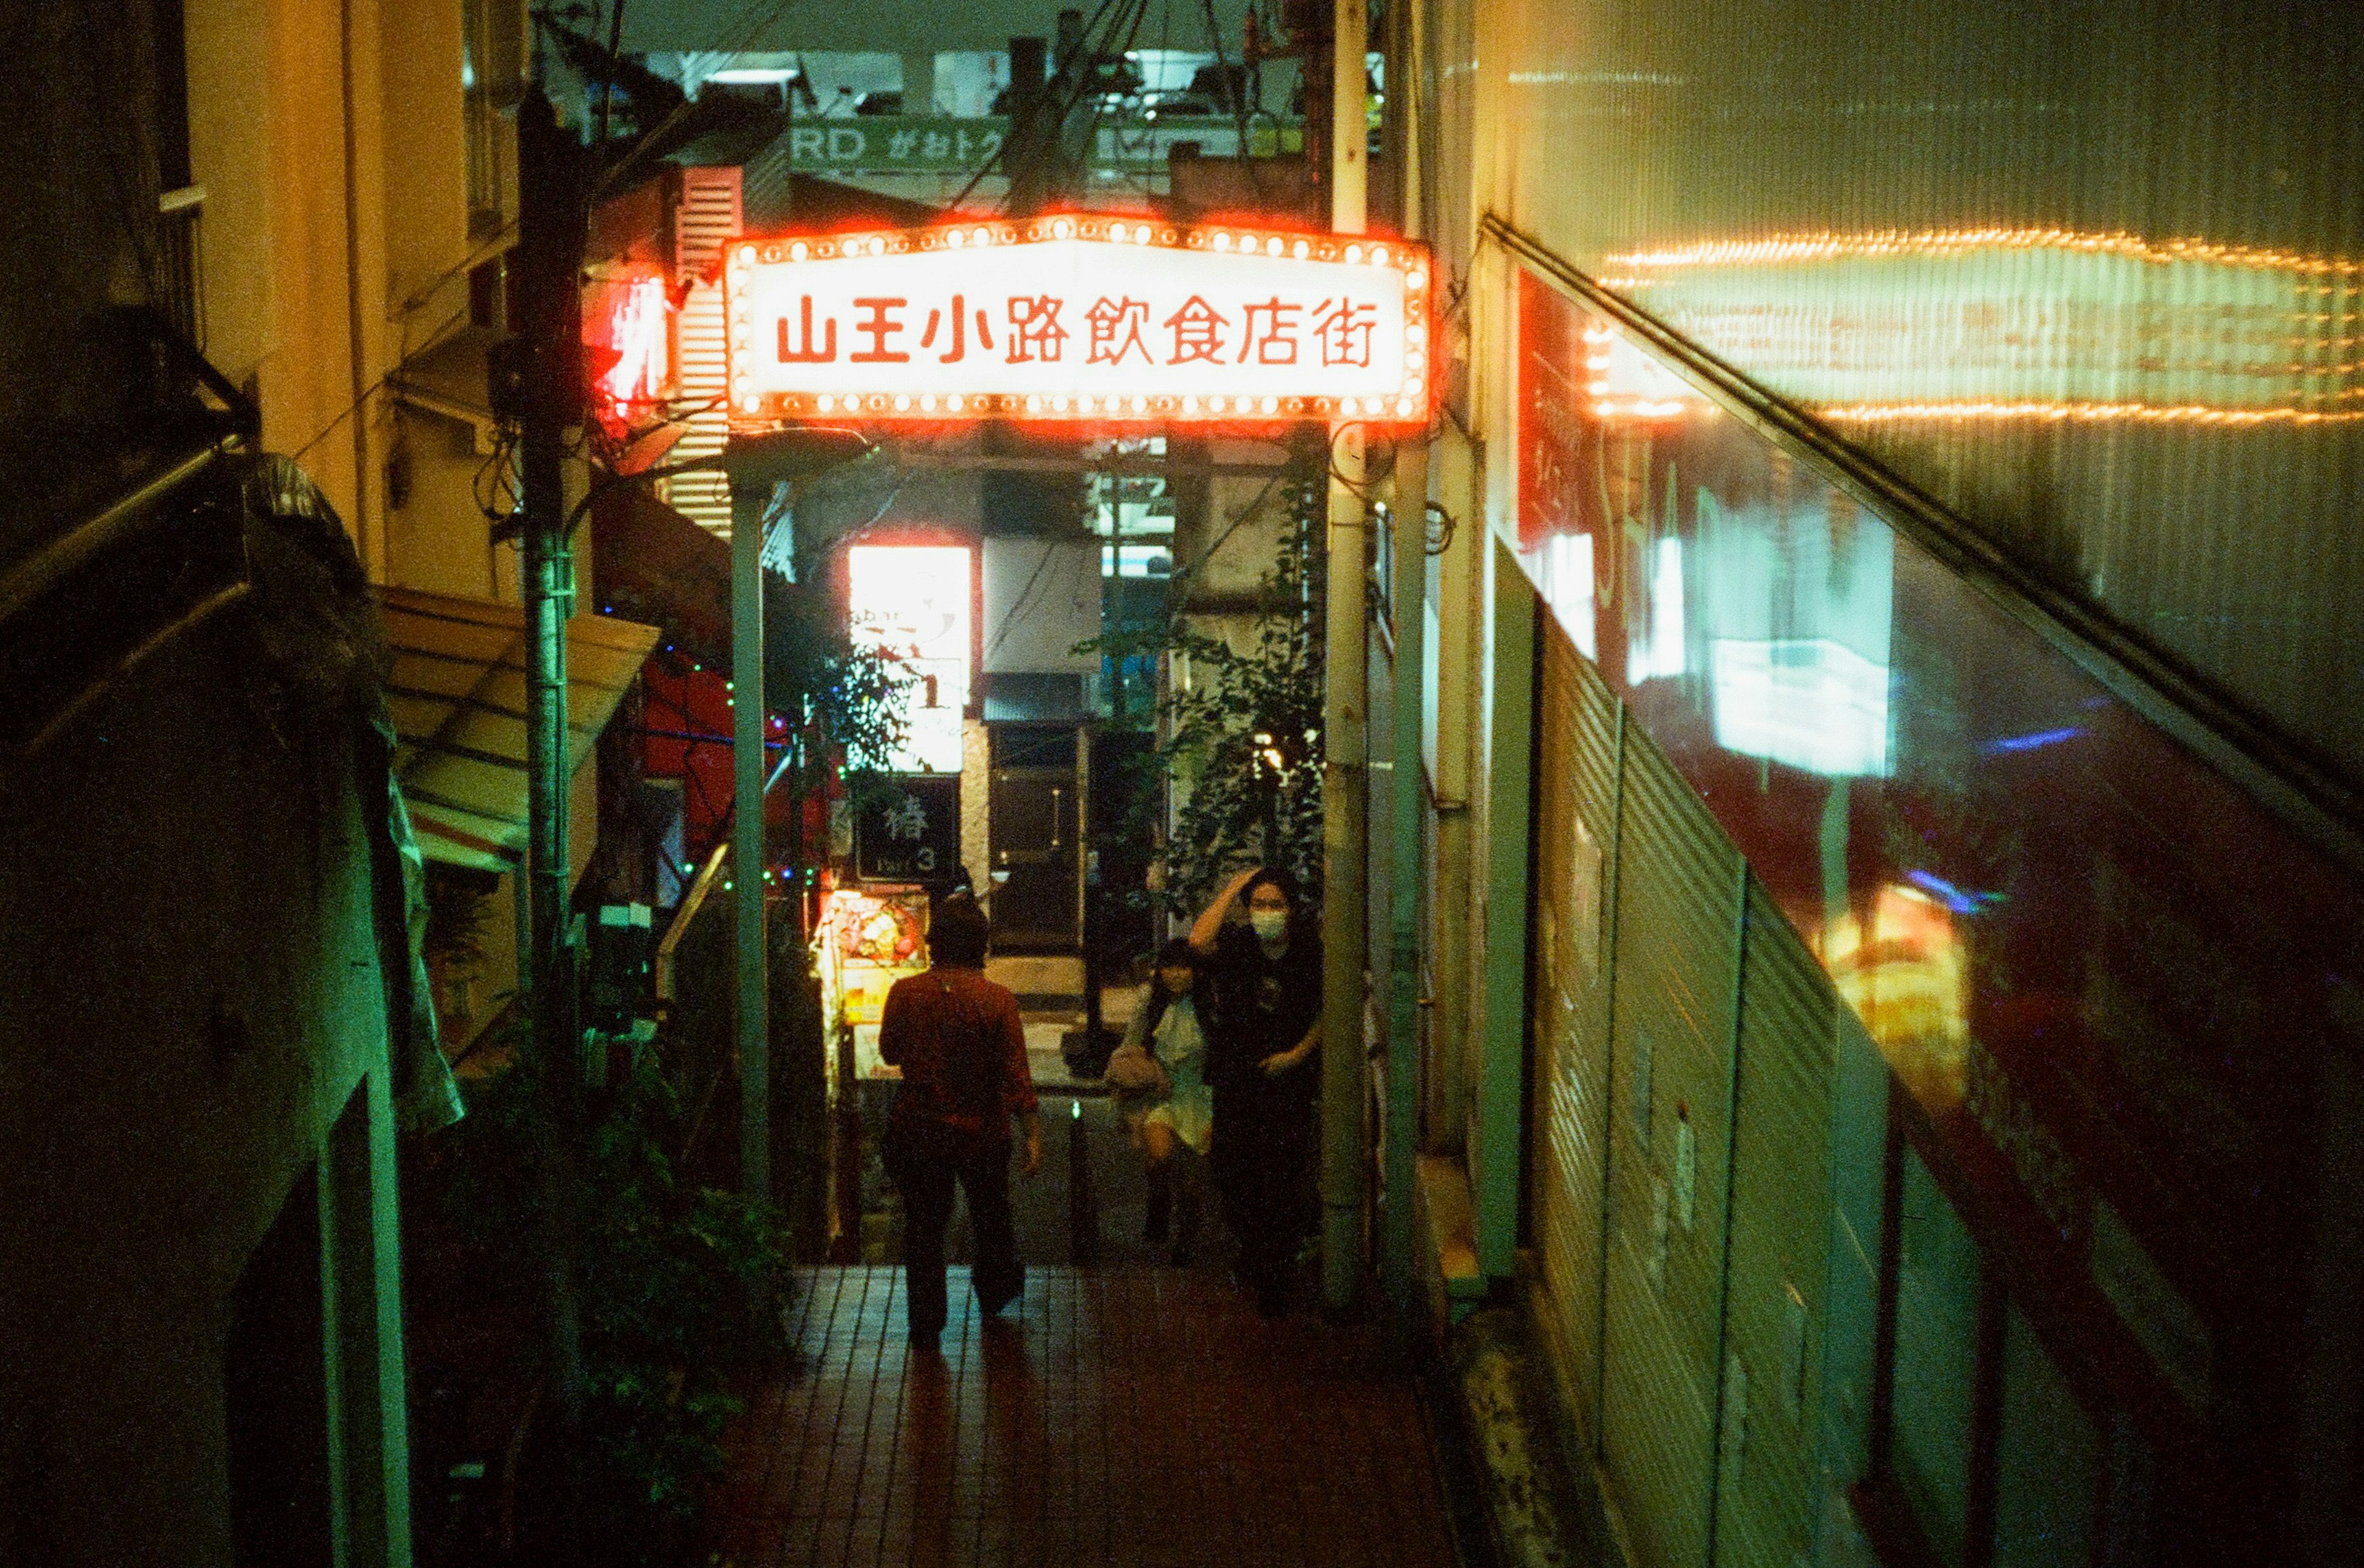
(1131,1415)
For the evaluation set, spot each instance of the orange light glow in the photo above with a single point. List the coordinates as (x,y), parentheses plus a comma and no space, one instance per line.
(1776,248)
(1907,979)
(2021,325)
(2083,413)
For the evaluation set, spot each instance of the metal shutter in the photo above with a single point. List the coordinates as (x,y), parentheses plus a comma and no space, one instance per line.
(1677,940)
(1781,1231)
(1577,738)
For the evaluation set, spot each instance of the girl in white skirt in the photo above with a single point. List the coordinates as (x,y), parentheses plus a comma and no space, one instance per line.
(1165,1054)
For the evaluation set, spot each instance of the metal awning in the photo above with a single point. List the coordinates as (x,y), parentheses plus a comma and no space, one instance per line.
(457,694)
(450,377)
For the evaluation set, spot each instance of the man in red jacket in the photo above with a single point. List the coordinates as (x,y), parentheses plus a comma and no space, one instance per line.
(958,1039)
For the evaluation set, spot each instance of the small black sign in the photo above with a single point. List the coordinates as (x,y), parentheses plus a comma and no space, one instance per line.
(908,830)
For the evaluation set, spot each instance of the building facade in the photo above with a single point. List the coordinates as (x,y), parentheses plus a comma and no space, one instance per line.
(1891,913)
(250,593)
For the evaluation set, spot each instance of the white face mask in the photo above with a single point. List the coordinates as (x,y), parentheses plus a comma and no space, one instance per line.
(1269,925)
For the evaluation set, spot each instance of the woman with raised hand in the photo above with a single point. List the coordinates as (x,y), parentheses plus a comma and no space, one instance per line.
(1261,985)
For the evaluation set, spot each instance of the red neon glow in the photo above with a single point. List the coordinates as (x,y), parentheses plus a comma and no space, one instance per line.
(637,332)
(1077,318)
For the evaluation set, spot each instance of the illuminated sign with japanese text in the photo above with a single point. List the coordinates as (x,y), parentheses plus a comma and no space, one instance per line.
(1071,318)
(913,601)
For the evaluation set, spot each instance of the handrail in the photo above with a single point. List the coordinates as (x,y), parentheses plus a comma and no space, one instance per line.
(122,670)
(2312,801)
(54,562)
(678,927)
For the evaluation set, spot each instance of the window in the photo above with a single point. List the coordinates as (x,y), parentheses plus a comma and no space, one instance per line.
(492,65)
(1987,1457)
(1936,1366)
(2047,1462)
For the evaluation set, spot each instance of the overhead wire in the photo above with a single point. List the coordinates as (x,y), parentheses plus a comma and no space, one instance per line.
(1025,597)
(757,20)
(1238,94)
(1086,49)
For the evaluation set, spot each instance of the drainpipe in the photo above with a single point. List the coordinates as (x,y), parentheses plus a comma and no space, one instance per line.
(1343,800)
(1407,800)
(749,506)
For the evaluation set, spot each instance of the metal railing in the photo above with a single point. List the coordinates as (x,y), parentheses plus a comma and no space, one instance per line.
(180,263)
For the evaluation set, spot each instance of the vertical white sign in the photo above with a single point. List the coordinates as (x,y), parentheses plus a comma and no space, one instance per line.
(913,601)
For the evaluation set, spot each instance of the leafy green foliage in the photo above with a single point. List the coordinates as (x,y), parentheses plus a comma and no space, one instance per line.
(1243,732)
(841,698)
(678,1287)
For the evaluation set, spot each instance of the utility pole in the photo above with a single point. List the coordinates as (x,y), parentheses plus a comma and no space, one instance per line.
(1344,803)
(1026,157)
(550,224)
(762,466)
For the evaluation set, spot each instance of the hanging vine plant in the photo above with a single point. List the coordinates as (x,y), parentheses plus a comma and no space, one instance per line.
(1241,732)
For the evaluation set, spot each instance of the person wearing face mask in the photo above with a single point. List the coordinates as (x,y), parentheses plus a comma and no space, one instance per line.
(1261,984)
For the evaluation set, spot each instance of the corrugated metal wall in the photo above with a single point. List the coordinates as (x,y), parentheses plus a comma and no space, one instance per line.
(1780,1224)
(709,215)
(2088,273)
(1576,839)
(1678,954)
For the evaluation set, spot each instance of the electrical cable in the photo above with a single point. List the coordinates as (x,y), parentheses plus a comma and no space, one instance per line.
(1238,94)
(1241,516)
(1435,540)
(125,182)
(856,534)
(757,21)
(1000,154)
(1360,487)
(607,88)
(1025,594)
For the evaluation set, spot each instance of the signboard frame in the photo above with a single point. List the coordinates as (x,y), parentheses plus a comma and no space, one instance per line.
(894,842)
(789,362)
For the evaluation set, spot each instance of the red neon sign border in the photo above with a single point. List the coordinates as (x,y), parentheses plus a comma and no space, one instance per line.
(1407,257)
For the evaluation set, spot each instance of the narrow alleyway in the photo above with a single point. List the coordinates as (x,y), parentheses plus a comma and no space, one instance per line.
(1126,1411)
(1129,1415)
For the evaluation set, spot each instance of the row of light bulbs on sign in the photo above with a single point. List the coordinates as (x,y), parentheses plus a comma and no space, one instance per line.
(1134,406)
(1297,247)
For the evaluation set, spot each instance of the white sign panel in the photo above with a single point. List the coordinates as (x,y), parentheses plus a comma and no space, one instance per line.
(913,600)
(1080,319)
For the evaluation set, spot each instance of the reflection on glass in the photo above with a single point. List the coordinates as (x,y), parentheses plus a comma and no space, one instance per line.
(1903,974)
(2020,885)
(1809,702)
(1563,572)
(2018,324)
(1622,381)
(1994,856)
(1936,1362)
(1659,652)
(1797,604)
(2047,1464)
